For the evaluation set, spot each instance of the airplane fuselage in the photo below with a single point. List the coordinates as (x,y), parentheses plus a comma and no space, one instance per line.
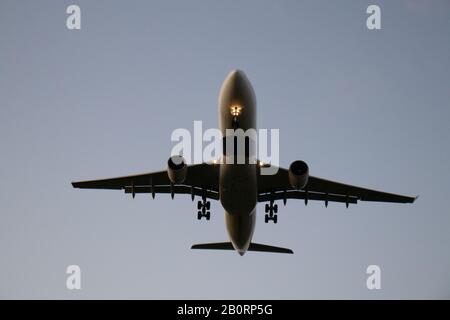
(238,181)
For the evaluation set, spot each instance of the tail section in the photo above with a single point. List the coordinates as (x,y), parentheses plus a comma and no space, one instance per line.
(253,247)
(214,246)
(266,248)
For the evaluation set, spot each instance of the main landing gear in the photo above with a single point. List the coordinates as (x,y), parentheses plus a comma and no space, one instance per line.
(271,210)
(203,209)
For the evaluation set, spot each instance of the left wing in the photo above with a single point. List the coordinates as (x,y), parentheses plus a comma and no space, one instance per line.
(277,187)
(201,180)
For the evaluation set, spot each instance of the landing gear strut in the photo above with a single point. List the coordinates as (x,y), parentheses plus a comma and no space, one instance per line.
(271,210)
(235,123)
(203,209)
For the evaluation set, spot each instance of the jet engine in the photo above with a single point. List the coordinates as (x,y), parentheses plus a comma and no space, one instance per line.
(176,169)
(298,174)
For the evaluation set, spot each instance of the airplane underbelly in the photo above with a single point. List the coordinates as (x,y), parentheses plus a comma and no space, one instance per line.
(240,229)
(238,195)
(238,189)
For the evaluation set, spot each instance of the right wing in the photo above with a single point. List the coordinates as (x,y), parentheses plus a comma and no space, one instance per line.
(201,180)
(277,187)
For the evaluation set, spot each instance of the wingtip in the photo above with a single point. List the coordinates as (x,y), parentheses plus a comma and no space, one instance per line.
(415,198)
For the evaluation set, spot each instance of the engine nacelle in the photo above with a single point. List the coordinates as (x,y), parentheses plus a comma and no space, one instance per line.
(298,174)
(176,169)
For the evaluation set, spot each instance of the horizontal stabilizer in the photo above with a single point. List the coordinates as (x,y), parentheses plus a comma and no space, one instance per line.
(253,247)
(266,248)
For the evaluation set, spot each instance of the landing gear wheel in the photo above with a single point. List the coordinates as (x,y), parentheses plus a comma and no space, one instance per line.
(275,208)
(203,209)
(266,218)
(275,218)
(267,208)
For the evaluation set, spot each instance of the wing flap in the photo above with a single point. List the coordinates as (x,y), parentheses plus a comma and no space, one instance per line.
(336,191)
(205,176)
(156,178)
(299,194)
(362,194)
(177,189)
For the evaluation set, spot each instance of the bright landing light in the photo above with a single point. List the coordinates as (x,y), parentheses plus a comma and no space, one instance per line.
(236,110)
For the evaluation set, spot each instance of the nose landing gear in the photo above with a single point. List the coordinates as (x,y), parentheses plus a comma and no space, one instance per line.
(235,123)
(271,210)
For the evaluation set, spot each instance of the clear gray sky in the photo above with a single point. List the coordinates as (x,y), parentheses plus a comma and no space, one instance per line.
(364,107)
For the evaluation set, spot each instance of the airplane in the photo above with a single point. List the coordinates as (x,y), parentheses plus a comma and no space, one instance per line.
(239,187)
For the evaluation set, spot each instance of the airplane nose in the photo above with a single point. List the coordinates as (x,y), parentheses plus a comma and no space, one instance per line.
(237,100)
(236,76)
(241,252)
(236,73)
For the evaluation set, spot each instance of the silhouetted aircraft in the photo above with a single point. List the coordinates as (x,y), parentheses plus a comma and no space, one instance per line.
(239,187)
